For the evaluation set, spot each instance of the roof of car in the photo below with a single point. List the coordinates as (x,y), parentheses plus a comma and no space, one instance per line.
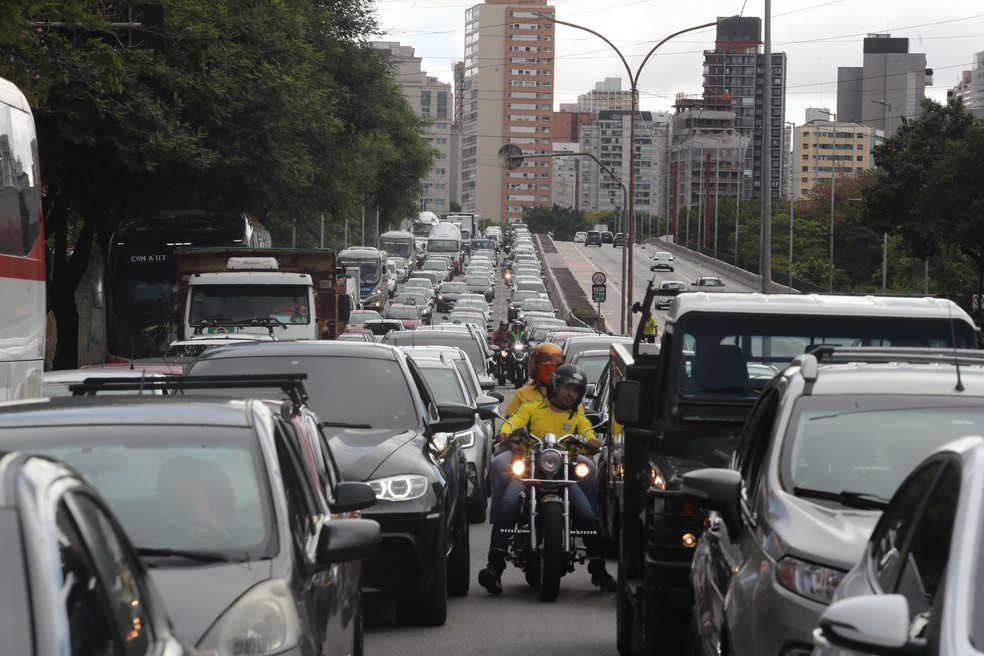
(817,304)
(304,348)
(122,410)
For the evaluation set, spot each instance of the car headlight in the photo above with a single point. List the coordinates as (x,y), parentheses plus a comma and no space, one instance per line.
(262,621)
(405,487)
(808,580)
(466,438)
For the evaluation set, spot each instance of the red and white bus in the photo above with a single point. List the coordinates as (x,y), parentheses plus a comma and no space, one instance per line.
(22,271)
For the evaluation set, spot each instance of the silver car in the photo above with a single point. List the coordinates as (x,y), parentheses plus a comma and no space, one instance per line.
(916,589)
(823,450)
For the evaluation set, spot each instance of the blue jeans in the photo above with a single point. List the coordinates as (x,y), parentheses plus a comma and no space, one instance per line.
(583,517)
(500,475)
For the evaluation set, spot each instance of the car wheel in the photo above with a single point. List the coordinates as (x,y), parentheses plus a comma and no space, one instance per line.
(459,561)
(431,607)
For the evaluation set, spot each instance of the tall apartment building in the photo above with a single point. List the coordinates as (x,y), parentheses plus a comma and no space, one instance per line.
(890,83)
(431,99)
(507,98)
(736,68)
(607,95)
(970,88)
(565,175)
(707,159)
(607,138)
(820,146)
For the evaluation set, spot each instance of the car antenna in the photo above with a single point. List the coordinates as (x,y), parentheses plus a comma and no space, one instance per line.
(953,340)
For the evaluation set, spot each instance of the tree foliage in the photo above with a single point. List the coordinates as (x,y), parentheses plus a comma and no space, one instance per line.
(563,222)
(282,109)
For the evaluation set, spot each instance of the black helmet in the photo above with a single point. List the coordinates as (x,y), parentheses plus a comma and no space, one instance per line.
(503,322)
(572,374)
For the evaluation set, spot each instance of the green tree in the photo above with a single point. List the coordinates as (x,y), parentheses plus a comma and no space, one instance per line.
(926,188)
(282,109)
(563,222)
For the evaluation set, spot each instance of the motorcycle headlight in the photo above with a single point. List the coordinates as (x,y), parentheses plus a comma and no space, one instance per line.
(518,467)
(550,462)
(262,621)
(581,469)
(808,580)
(518,348)
(405,487)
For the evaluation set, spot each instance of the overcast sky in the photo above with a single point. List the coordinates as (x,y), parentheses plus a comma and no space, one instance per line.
(817,36)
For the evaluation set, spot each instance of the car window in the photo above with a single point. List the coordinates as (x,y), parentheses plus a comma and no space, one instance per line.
(89,618)
(443,381)
(118,569)
(892,532)
(753,443)
(302,508)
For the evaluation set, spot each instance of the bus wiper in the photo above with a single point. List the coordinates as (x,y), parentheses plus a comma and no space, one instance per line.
(343,424)
(201,556)
(863,500)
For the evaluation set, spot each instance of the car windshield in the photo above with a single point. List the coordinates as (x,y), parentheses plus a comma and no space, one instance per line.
(592,366)
(402,313)
(537,305)
(462,340)
(443,382)
(454,288)
(672,285)
(435,266)
(358,317)
(352,398)
(470,304)
(867,444)
(196,489)
(477,281)
(242,303)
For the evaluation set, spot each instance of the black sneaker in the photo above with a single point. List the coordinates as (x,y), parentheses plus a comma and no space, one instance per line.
(491,580)
(601,577)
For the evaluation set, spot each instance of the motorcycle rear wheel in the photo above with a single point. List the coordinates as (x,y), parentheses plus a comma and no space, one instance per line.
(551,550)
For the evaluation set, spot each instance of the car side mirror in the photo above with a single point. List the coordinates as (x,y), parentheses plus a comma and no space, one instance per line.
(875,624)
(693,284)
(628,396)
(345,540)
(351,496)
(488,406)
(718,490)
(453,418)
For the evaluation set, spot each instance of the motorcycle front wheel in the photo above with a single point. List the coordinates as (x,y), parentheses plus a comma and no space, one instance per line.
(551,550)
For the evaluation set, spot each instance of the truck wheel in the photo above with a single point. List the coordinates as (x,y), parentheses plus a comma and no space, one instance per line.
(662,632)
(624,624)
(552,550)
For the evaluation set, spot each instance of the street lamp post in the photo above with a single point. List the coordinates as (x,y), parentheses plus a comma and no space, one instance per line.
(511,156)
(792,197)
(634,86)
(833,187)
(887,104)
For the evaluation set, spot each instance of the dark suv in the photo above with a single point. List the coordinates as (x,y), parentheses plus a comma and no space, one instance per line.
(607,237)
(386,428)
(825,447)
(593,238)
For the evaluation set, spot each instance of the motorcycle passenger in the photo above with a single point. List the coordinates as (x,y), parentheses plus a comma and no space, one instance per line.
(500,336)
(544,360)
(558,413)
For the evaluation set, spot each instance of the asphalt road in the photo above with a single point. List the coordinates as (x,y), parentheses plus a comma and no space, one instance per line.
(580,621)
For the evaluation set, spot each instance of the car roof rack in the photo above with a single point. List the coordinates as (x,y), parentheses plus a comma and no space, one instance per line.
(914,355)
(291,384)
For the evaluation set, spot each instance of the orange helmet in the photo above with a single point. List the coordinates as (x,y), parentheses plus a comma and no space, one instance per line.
(544,359)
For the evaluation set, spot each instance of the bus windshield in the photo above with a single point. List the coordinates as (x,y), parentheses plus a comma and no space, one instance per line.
(368,269)
(400,247)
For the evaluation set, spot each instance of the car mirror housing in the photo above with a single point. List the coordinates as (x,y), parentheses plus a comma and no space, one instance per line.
(351,496)
(628,395)
(345,540)
(875,624)
(454,417)
(718,490)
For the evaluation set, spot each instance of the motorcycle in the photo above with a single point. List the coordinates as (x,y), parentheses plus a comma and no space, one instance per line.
(514,363)
(544,545)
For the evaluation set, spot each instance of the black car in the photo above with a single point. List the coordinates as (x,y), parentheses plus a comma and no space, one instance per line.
(225,508)
(620,239)
(70,575)
(385,428)
(593,238)
(607,237)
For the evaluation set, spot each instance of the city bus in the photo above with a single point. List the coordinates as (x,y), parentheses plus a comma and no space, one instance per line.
(138,285)
(399,243)
(22,264)
(370,263)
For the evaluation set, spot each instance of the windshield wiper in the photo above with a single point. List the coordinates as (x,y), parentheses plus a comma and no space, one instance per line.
(343,424)
(730,388)
(201,556)
(863,500)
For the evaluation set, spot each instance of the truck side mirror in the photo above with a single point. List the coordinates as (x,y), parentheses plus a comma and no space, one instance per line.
(344,307)
(628,396)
